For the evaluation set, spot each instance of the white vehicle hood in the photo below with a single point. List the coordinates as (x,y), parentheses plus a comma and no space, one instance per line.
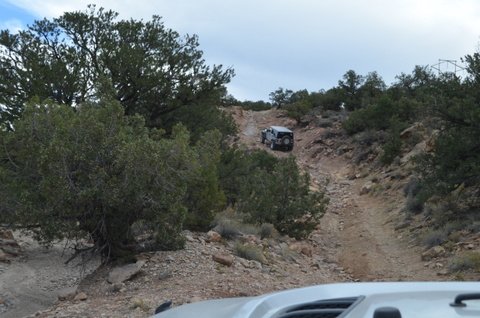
(412,299)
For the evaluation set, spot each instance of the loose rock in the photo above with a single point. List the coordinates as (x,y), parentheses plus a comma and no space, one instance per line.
(68,293)
(81,297)
(303,248)
(213,236)
(223,259)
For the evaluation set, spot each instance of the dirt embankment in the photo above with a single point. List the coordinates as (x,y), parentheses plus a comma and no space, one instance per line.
(33,280)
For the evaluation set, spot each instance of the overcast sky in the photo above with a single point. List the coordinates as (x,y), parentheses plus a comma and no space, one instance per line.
(296,44)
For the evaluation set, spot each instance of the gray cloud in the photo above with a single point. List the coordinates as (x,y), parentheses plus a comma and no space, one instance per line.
(306,43)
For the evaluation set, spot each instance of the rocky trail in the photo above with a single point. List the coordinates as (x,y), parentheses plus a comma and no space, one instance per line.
(367,246)
(357,230)
(356,241)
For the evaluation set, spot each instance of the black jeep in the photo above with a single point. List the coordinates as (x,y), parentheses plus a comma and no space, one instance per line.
(278,137)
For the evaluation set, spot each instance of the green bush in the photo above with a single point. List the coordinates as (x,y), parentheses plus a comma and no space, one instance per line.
(381,115)
(204,197)
(391,149)
(238,165)
(330,100)
(443,233)
(412,187)
(375,116)
(266,189)
(393,144)
(228,229)
(93,173)
(299,229)
(283,198)
(298,109)
(255,106)
(454,164)
(267,230)
(411,190)
(414,204)
(229,224)
(441,211)
(357,121)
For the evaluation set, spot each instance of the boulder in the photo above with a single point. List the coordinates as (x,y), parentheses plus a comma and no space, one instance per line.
(189,238)
(302,247)
(213,236)
(81,297)
(443,272)
(407,133)
(417,150)
(123,273)
(223,259)
(195,299)
(68,293)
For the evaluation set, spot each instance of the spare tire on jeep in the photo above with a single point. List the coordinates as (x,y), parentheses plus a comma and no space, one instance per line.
(286,141)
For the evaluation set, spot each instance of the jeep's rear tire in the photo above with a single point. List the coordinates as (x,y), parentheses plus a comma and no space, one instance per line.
(263,140)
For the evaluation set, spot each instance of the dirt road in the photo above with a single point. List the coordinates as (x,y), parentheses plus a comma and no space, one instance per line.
(357,231)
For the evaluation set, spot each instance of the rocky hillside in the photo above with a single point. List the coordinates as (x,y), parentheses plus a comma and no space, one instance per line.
(364,236)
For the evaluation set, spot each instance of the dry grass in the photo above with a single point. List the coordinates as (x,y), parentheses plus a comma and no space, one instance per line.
(465,262)
(250,252)
(140,303)
(434,237)
(267,230)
